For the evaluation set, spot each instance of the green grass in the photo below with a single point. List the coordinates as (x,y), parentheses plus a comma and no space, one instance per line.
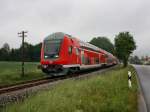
(104,93)
(10,72)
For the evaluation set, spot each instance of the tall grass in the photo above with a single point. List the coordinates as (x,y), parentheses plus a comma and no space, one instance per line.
(107,92)
(10,72)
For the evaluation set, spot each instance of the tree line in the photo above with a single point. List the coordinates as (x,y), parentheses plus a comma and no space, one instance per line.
(144,60)
(123,47)
(31,53)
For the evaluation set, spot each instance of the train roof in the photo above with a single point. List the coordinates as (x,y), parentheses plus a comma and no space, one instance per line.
(57,35)
(89,46)
(94,48)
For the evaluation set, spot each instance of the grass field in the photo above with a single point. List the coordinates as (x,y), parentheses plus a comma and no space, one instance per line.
(108,92)
(10,72)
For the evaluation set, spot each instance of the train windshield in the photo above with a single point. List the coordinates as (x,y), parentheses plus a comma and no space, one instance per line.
(51,48)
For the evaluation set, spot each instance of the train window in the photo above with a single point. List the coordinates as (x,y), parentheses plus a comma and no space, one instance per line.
(85,60)
(77,51)
(82,57)
(97,61)
(88,60)
(70,50)
(106,56)
(52,48)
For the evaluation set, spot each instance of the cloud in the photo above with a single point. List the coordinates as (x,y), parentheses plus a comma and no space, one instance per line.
(81,18)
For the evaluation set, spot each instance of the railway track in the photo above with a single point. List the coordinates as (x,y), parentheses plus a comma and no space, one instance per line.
(32,83)
(6,89)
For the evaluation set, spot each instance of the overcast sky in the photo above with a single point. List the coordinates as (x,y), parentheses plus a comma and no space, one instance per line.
(81,18)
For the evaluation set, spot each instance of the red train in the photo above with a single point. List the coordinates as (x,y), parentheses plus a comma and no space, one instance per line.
(61,53)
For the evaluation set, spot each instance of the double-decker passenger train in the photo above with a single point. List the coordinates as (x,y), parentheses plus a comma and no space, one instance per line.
(61,53)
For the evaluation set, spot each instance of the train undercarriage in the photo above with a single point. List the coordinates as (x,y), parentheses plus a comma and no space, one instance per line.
(58,70)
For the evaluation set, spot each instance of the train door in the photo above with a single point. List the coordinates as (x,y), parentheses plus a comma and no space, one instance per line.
(73,55)
(82,57)
(100,58)
(70,54)
(77,55)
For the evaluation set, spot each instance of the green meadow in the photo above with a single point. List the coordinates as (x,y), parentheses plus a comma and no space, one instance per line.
(10,72)
(106,92)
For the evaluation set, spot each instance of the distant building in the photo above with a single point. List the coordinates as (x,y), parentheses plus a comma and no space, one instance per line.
(146,60)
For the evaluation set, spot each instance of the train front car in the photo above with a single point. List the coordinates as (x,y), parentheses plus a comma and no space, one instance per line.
(57,54)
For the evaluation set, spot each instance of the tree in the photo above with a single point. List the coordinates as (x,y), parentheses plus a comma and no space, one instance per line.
(31,52)
(37,52)
(135,60)
(104,43)
(124,46)
(6,47)
(4,52)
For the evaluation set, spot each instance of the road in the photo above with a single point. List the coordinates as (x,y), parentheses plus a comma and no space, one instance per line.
(144,78)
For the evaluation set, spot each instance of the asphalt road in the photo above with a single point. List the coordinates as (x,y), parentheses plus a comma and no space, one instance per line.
(144,78)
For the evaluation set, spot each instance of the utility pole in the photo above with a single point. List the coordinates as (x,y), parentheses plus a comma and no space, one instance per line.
(22,34)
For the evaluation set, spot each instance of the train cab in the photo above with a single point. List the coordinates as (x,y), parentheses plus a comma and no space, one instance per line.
(59,52)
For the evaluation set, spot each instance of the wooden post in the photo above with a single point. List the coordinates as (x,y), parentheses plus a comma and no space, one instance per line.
(22,34)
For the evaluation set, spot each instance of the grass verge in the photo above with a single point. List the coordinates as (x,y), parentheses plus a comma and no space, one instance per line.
(108,92)
(10,72)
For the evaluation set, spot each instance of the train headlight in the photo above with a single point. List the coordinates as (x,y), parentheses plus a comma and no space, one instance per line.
(56,56)
(46,56)
(45,66)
